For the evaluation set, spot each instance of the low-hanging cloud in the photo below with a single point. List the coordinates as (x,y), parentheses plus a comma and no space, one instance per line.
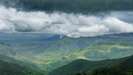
(72,25)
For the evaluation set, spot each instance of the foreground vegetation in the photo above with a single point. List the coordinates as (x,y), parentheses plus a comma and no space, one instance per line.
(122,66)
(109,71)
(13,69)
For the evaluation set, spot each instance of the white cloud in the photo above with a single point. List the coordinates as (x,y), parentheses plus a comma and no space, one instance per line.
(72,25)
(116,25)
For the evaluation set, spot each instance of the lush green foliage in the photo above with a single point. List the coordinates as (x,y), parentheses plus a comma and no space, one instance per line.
(85,66)
(47,56)
(13,69)
(109,71)
(112,71)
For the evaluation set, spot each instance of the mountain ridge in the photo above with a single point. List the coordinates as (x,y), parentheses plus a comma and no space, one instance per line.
(84,66)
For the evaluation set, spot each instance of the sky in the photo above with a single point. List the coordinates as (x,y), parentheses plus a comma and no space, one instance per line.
(72,18)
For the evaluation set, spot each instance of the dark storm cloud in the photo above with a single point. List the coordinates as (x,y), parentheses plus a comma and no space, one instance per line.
(76,6)
(69,24)
(63,21)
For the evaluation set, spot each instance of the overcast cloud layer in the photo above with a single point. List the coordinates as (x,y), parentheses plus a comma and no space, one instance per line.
(72,25)
(72,6)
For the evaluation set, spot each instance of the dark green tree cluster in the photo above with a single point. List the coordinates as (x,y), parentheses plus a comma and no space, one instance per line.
(109,71)
(13,69)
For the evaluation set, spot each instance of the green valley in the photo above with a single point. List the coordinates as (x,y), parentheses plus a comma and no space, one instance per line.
(47,56)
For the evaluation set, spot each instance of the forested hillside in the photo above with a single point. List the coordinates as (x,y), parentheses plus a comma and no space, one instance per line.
(13,69)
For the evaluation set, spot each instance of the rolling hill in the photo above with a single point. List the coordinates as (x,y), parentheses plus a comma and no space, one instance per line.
(49,54)
(19,62)
(13,69)
(6,49)
(85,66)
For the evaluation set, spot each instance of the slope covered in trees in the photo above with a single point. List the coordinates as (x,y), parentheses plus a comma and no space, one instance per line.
(13,69)
(81,67)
